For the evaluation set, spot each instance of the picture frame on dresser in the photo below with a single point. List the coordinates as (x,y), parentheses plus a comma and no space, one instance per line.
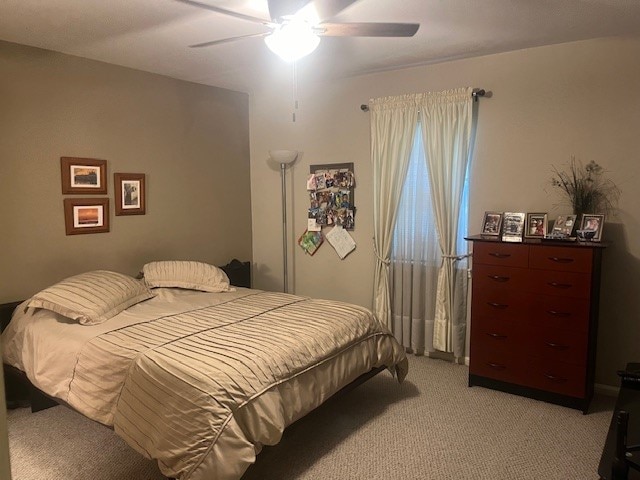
(536,225)
(563,226)
(512,226)
(591,226)
(492,224)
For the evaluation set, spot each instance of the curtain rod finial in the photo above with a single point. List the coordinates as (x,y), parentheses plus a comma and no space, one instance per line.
(364,107)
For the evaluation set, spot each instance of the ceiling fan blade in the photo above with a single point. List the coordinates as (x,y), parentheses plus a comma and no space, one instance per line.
(282,8)
(212,8)
(330,8)
(228,40)
(366,29)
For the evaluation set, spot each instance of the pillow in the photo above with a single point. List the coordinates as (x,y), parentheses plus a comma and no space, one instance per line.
(186,274)
(92,297)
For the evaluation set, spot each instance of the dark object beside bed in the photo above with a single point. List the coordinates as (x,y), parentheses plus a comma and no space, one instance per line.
(19,390)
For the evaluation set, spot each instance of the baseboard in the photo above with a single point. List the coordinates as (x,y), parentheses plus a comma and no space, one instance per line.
(608,390)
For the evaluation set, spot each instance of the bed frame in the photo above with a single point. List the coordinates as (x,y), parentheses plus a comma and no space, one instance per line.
(20,392)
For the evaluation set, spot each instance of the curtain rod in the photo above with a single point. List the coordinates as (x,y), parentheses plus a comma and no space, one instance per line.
(477,92)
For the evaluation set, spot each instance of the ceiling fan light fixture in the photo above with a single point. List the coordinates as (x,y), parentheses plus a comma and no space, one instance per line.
(292,40)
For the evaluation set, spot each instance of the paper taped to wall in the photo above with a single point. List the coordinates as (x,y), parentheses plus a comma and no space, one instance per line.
(341,241)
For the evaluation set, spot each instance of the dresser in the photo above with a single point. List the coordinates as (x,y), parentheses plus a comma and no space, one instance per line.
(534,318)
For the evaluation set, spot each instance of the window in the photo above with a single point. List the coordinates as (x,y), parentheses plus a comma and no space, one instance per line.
(415,253)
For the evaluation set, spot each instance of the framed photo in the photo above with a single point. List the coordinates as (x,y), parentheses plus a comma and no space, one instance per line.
(591,227)
(491,224)
(536,225)
(86,215)
(130,193)
(563,226)
(83,176)
(512,226)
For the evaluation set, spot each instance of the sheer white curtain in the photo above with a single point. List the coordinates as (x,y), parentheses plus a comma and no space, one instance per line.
(446,131)
(415,258)
(393,120)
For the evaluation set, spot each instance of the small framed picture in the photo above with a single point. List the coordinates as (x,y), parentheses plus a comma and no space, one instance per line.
(130,193)
(563,226)
(591,227)
(491,224)
(512,226)
(83,176)
(536,225)
(86,215)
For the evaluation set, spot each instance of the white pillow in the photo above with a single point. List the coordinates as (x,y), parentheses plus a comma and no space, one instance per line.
(92,297)
(186,274)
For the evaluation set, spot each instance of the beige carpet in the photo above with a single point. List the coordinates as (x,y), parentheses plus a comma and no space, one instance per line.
(431,427)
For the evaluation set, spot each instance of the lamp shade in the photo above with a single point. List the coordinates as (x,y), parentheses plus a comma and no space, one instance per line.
(283,156)
(292,40)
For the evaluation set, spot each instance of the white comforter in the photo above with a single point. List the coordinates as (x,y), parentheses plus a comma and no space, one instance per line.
(201,381)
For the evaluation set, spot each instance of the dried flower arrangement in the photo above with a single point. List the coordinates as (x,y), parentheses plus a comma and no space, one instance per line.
(586,188)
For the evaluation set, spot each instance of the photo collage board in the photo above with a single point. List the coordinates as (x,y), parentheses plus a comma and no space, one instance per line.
(331,204)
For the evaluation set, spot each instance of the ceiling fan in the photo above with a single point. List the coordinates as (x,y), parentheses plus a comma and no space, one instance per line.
(296,26)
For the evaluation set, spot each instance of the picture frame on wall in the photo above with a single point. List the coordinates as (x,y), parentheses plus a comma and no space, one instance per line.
(512,226)
(83,176)
(86,215)
(536,225)
(130,196)
(491,224)
(591,227)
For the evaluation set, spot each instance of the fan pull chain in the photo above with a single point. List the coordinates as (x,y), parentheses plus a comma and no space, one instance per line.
(295,90)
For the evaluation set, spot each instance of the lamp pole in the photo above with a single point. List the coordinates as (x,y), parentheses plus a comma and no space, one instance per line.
(283,172)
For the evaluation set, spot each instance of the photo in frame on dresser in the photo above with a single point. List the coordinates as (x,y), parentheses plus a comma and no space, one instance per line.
(563,228)
(536,225)
(492,224)
(590,228)
(512,227)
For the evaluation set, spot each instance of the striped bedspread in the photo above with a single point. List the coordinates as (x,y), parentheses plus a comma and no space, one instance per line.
(201,391)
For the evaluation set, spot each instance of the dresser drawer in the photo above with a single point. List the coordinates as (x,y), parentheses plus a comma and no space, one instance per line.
(510,255)
(556,377)
(489,277)
(496,334)
(566,313)
(566,284)
(565,259)
(498,365)
(499,303)
(558,345)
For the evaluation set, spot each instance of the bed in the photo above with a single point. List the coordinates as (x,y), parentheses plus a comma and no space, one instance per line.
(197,380)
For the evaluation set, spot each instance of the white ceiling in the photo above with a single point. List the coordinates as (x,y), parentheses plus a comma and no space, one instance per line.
(153,35)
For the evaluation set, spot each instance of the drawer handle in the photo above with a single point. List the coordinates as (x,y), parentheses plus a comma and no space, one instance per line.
(498,278)
(559,285)
(554,378)
(497,336)
(560,259)
(557,346)
(497,305)
(500,255)
(496,366)
(558,314)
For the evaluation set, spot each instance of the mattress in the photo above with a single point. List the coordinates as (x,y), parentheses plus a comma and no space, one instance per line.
(201,381)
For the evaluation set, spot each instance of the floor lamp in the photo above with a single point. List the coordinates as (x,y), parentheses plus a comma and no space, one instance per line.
(284,158)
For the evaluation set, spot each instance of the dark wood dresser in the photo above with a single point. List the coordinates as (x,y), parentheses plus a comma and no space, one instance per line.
(534,318)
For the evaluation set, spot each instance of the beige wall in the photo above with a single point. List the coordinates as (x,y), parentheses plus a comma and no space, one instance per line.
(548,103)
(191,141)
